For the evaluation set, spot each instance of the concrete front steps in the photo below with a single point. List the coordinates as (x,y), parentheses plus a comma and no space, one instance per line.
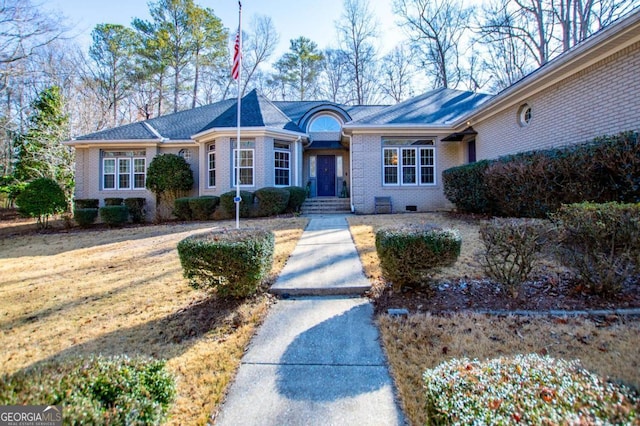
(326,205)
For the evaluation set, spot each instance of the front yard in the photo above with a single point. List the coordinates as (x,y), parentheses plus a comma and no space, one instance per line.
(115,292)
(608,346)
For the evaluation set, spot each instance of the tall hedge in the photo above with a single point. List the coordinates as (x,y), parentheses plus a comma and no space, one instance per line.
(297,195)
(536,183)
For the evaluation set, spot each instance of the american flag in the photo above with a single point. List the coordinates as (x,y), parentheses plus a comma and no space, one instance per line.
(237,49)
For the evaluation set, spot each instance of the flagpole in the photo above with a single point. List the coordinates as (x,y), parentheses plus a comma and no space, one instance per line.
(238,64)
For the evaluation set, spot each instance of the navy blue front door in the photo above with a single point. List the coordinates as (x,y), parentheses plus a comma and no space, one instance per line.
(326,175)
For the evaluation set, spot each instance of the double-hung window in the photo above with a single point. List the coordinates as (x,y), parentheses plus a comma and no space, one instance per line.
(282,164)
(212,165)
(123,170)
(408,162)
(245,163)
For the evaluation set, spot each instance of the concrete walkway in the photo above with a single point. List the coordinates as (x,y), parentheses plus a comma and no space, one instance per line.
(317,359)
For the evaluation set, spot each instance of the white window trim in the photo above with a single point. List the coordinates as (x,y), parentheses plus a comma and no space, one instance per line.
(288,169)
(116,174)
(211,150)
(253,167)
(417,167)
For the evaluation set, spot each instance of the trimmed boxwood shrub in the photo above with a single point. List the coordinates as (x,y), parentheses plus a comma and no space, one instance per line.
(228,262)
(409,255)
(114,216)
(85,217)
(113,201)
(203,207)
(512,249)
(136,208)
(181,208)
(524,389)
(601,243)
(95,390)
(86,203)
(270,201)
(297,195)
(229,207)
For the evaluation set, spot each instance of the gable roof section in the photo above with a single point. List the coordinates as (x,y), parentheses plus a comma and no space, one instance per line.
(437,108)
(257,111)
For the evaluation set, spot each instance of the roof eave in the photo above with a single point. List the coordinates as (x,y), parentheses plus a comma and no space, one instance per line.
(407,128)
(86,143)
(245,132)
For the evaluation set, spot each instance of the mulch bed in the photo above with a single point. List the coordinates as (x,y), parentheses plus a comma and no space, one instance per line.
(542,294)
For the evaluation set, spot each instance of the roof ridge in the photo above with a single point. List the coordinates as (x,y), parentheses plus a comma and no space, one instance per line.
(154,131)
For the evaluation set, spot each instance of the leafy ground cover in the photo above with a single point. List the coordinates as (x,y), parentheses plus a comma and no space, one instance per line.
(440,326)
(121,292)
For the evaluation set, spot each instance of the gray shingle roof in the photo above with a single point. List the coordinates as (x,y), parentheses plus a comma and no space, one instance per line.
(257,111)
(437,107)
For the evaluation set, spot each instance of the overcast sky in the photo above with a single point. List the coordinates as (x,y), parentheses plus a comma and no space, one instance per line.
(314,19)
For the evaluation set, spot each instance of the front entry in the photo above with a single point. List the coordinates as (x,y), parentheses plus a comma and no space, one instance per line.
(326,175)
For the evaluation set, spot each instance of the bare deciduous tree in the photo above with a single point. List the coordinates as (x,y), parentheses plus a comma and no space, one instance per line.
(436,29)
(397,74)
(258,47)
(357,35)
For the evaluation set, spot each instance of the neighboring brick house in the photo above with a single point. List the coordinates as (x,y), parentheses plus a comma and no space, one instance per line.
(394,151)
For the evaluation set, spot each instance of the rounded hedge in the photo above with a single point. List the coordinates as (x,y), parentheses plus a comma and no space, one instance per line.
(181,208)
(297,195)
(409,255)
(95,390)
(524,389)
(271,201)
(228,262)
(41,198)
(229,206)
(203,207)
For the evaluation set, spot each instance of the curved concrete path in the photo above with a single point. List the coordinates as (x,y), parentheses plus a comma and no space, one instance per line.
(316,360)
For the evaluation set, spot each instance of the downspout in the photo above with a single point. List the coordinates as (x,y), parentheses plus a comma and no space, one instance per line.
(353,208)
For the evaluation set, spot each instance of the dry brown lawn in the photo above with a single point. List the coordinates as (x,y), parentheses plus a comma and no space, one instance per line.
(121,291)
(609,347)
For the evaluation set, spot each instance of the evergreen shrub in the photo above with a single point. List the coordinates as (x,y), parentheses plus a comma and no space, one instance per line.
(95,390)
(203,207)
(85,217)
(136,208)
(410,255)
(228,207)
(41,198)
(86,203)
(524,389)
(114,216)
(297,196)
(270,201)
(228,262)
(537,183)
(181,209)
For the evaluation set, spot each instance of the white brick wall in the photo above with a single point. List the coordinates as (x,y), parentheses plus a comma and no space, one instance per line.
(602,99)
